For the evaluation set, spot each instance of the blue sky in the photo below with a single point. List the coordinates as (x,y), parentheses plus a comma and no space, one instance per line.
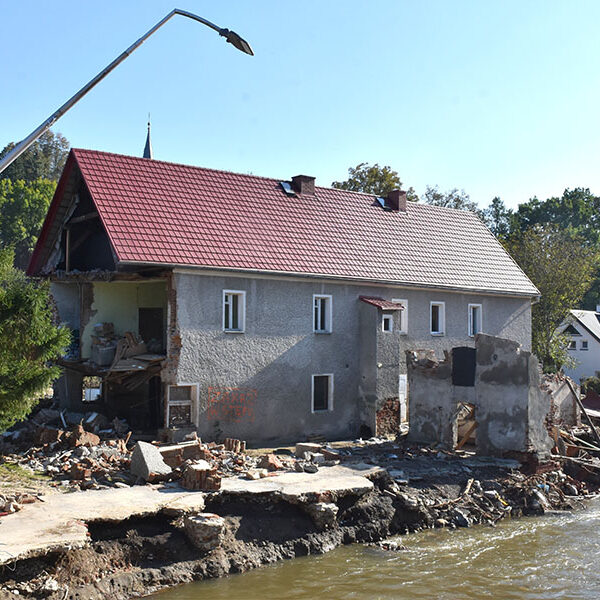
(497,98)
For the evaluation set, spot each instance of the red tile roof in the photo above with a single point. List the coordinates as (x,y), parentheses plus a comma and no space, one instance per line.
(381,303)
(159,212)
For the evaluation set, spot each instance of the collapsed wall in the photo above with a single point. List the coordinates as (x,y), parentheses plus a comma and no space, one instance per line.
(502,383)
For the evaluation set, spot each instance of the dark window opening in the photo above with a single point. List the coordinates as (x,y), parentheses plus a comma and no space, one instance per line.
(435,318)
(321,392)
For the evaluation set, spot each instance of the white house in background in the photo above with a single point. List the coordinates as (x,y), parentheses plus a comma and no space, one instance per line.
(583,330)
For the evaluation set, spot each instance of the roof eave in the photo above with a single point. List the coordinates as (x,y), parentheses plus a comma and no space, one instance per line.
(487,291)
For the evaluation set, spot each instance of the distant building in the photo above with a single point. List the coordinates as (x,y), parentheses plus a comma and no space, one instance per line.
(583,330)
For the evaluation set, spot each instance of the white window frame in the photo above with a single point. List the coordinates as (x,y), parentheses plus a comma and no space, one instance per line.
(403,320)
(241,311)
(387,317)
(470,328)
(572,345)
(587,345)
(329,393)
(192,402)
(316,312)
(441,317)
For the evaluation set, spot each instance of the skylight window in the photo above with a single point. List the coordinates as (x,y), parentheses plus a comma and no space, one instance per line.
(286,186)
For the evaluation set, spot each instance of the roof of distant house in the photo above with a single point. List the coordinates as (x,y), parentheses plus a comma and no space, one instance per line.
(590,320)
(162,213)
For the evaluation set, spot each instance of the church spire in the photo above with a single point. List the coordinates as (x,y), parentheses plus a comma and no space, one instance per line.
(148,146)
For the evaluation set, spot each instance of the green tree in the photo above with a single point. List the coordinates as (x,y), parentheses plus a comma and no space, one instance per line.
(373,179)
(562,267)
(23,207)
(454,198)
(44,159)
(497,218)
(578,210)
(29,340)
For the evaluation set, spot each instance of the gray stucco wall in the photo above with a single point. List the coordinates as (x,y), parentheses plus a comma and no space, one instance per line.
(256,385)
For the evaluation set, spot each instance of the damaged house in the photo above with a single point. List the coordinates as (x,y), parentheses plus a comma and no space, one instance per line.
(260,309)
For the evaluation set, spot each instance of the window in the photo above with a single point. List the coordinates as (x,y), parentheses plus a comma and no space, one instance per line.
(474,326)
(584,344)
(321,314)
(402,323)
(572,345)
(387,323)
(437,318)
(322,393)
(180,405)
(234,311)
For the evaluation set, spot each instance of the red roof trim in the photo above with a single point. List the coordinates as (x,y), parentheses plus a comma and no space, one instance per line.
(381,303)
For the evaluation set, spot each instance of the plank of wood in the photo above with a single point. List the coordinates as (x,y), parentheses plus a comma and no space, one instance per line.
(583,411)
(467,435)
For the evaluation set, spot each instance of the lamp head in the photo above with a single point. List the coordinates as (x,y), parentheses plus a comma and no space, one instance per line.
(239,42)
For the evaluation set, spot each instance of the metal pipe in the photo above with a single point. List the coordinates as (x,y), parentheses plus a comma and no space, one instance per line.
(230,36)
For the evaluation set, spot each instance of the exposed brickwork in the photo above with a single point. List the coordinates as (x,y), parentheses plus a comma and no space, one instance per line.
(388,417)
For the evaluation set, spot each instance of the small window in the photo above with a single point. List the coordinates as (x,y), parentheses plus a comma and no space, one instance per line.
(322,393)
(474,326)
(180,405)
(321,314)
(572,345)
(584,344)
(402,323)
(387,323)
(437,318)
(234,311)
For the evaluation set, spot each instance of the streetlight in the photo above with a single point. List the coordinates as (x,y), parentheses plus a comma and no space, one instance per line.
(230,36)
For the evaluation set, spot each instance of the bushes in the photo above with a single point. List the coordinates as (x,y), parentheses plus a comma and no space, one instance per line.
(29,340)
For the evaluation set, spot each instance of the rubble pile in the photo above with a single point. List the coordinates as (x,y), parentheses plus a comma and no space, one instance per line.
(12,503)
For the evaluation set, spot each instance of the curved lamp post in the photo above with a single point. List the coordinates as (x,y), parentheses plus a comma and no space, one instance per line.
(230,36)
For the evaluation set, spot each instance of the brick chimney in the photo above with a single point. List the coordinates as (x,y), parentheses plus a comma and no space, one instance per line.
(304,184)
(396,200)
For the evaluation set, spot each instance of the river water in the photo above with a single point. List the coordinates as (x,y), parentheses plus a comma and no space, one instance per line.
(556,556)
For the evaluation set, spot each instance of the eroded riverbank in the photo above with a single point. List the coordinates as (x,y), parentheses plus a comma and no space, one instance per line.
(554,556)
(411,489)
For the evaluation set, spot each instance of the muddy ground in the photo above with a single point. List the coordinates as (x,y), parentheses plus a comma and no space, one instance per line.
(414,489)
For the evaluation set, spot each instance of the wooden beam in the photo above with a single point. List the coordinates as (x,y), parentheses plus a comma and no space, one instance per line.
(467,435)
(82,218)
(583,411)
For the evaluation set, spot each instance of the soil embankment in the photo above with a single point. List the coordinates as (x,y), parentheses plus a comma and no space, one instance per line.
(413,489)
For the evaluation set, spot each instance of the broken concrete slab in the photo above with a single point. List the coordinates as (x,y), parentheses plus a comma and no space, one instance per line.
(147,462)
(58,523)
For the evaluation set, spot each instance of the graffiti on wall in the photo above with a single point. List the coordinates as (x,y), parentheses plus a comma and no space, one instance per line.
(231,404)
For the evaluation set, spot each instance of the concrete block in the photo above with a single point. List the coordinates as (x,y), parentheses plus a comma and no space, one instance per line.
(147,461)
(323,514)
(306,447)
(204,530)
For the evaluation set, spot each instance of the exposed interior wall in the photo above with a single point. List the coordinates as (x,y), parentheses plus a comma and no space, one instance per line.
(511,409)
(565,410)
(118,302)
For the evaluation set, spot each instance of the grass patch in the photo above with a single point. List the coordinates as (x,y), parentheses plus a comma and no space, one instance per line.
(10,472)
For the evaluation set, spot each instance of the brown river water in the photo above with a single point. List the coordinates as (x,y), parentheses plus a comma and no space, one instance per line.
(555,556)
